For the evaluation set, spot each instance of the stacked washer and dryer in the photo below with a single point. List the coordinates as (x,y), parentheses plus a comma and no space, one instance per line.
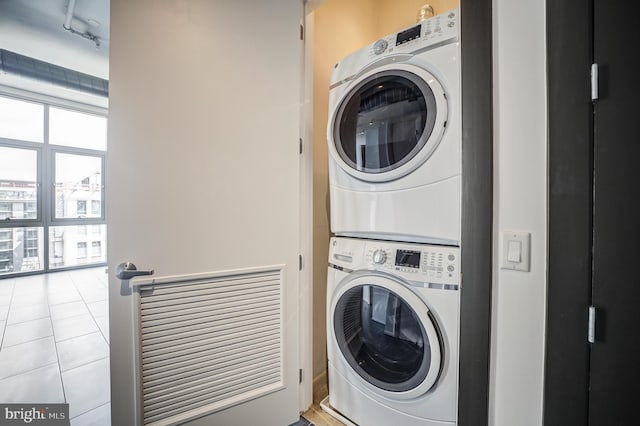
(393,291)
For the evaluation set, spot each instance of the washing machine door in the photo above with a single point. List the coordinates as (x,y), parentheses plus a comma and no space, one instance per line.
(386,334)
(388,122)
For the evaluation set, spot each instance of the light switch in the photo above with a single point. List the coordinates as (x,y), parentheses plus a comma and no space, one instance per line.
(514,251)
(516,247)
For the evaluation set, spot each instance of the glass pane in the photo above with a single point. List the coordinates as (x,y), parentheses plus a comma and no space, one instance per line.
(78,184)
(21,120)
(385,122)
(73,245)
(382,338)
(18,183)
(77,129)
(21,250)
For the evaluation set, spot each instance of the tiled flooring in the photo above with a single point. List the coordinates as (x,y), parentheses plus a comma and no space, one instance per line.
(54,332)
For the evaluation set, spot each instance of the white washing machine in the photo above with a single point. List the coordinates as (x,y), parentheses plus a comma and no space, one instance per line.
(393,314)
(394,136)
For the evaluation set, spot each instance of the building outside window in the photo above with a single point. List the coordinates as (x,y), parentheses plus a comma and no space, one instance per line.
(96,249)
(82,250)
(81,209)
(95,208)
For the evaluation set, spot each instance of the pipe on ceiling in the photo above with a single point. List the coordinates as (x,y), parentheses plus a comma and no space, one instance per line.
(70,9)
(67,25)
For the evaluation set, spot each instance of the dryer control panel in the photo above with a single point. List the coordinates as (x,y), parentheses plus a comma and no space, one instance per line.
(423,263)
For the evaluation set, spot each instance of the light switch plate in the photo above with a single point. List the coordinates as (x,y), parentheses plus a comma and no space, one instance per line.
(512,242)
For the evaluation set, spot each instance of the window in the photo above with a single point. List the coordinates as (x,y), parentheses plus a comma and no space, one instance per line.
(77,129)
(68,245)
(81,209)
(82,250)
(18,183)
(51,186)
(21,250)
(21,120)
(96,249)
(31,242)
(78,179)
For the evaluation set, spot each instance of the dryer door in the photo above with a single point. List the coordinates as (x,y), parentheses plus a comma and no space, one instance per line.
(388,122)
(387,336)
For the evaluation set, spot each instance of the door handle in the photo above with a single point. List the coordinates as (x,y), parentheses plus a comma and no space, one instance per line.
(127,270)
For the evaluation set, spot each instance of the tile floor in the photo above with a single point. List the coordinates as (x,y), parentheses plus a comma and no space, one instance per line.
(54,333)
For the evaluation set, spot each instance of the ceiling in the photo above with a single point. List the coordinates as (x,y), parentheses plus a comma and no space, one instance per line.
(44,20)
(34,28)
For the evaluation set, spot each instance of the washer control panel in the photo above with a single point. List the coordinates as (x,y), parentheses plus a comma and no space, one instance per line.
(413,262)
(430,32)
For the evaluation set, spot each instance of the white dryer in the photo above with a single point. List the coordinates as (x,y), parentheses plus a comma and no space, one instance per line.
(393,314)
(394,135)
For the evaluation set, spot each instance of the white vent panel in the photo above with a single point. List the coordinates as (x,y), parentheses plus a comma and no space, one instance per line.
(208,342)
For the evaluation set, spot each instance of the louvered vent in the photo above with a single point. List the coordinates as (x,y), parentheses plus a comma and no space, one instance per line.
(208,342)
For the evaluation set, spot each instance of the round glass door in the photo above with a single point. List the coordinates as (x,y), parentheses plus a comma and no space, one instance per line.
(384,121)
(384,340)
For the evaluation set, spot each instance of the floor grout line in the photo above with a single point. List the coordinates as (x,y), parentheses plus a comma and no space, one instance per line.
(28,371)
(88,411)
(64,392)
(91,313)
(4,331)
(85,364)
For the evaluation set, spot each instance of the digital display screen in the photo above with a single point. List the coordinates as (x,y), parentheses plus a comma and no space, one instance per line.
(408,35)
(408,258)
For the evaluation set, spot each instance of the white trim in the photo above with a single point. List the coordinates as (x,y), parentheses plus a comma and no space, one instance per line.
(53,100)
(305,295)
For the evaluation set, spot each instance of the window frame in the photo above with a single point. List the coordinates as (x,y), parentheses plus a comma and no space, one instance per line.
(45,154)
(38,148)
(56,221)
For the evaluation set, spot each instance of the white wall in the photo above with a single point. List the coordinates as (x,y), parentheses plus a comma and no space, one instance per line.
(520,181)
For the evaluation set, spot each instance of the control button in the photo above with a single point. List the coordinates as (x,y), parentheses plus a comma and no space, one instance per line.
(451,24)
(379,257)
(380,46)
(450,268)
(451,257)
(438,30)
(451,15)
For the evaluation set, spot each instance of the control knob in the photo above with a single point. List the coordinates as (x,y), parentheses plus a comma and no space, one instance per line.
(380,46)
(379,257)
